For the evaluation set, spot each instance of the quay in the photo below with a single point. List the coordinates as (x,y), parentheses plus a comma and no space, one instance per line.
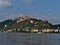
(51,31)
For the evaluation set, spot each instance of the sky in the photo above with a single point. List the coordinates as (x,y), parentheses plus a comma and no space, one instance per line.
(40,9)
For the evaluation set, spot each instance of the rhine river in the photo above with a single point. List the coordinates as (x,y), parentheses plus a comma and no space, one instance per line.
(29,39)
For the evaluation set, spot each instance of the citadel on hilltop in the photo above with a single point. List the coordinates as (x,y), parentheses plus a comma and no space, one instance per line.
(26,24)
(22,18)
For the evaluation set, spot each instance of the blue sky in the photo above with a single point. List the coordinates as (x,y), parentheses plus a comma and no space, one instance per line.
(41,9)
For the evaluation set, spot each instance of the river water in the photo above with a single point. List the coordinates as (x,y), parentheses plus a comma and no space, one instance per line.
(29,39)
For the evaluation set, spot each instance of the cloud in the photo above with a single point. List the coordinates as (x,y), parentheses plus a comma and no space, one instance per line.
(13,16)
(28,1)
(52,18)
(5,16)
(4,3)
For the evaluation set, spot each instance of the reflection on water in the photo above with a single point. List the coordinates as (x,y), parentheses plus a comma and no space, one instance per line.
(29,39)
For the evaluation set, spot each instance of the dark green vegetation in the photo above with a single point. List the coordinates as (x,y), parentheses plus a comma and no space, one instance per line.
(26,24)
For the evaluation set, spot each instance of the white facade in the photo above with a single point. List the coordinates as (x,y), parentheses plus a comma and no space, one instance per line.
(10,30)
(31,21)
(34,30)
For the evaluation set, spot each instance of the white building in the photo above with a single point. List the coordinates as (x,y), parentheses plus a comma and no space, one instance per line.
(34,30)
(31,21)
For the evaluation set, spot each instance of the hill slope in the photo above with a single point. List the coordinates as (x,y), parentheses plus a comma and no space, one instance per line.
(24,24)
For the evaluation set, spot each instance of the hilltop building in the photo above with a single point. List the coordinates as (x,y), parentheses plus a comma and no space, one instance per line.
(23,18)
